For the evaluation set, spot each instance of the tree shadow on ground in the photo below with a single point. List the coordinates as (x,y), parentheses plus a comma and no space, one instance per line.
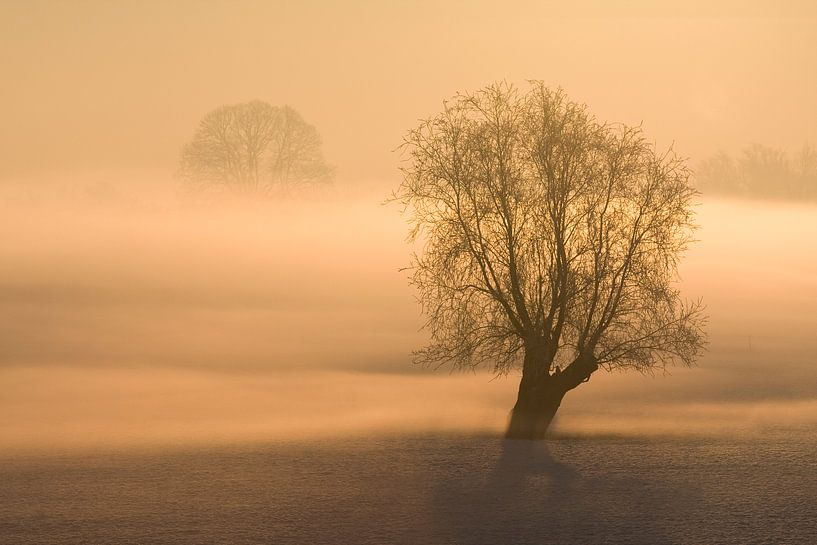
(530,496)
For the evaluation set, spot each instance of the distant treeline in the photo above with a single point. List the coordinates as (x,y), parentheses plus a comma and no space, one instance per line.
(761,171)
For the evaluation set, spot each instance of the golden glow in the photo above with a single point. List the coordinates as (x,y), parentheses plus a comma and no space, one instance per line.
(131,316)
(278,321)
(98,86)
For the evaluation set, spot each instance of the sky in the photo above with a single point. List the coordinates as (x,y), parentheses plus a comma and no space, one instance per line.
(101,89)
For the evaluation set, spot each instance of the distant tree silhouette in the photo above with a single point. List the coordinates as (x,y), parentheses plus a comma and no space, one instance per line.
(549,244)
(761,171)
(253,147)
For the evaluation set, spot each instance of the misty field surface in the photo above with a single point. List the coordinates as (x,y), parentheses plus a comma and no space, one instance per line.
(424,489)
(243,374)
(135,324)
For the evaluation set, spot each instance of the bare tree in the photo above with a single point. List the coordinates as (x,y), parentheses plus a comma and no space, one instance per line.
(253,148)
(549,244)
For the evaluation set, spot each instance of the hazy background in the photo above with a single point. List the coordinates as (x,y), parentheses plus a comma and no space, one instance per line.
(131,316)
(95,89)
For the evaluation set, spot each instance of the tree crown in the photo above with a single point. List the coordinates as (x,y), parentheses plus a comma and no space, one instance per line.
(253,147)
(542,229)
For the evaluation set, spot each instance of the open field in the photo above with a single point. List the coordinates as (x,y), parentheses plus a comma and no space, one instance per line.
(471,489)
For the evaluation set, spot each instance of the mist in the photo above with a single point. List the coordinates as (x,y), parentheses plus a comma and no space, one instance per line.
(165,322)
(125,308)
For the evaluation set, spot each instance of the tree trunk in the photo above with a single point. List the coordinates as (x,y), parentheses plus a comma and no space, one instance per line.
(541,394)
(536,405)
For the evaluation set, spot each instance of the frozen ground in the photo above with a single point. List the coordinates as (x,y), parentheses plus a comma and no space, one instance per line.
(424,489)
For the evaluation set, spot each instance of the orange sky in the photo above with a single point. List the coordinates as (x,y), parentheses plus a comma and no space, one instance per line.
(118,87)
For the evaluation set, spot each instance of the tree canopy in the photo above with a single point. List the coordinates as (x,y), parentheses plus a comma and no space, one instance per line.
(253,147)
(549,241)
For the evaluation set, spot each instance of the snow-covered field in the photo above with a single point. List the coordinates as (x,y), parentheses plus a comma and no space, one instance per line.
(431,489)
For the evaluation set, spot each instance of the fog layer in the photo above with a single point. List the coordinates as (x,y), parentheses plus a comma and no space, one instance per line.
(126,324)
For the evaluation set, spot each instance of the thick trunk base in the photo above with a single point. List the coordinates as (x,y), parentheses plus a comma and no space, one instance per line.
(541,393)
(533,413)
